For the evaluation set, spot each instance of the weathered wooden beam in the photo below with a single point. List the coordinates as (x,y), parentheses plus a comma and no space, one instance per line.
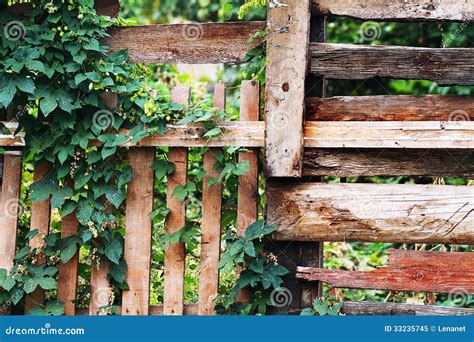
(287,54)
(454,10)
(390,134)
(388,162)
(346,61)
(391,108)
(192,43)
(110,8)
(366,308)
(401,213)
(406,271)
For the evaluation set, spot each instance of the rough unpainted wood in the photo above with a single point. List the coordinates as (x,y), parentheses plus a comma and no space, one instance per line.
(138,232)
(191,43)
(391,108)
(388,162)
(390,134)
(453,10)
(100,288)
(406,271)
(10,206)
(211,222)
(401,213)
(346,61)
(366,308)
(110,8)
(40,218)
(288,37)
(67,280)
(175,253)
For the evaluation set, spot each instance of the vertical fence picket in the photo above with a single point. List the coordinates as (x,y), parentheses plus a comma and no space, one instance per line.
(175,253)
(40,219)
(67,281)
(211,223)
(138,233)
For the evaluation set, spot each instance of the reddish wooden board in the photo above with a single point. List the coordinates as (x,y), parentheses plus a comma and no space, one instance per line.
(406,271)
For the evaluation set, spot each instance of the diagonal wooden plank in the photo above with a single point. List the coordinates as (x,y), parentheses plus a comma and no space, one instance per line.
(175,254)
(138,232)
(407,271)
(288,38)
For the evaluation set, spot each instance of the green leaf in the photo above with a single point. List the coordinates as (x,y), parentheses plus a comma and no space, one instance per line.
(114,251)
(250,249)
(84,212)
(8,283)
(68,252)
(118,271)
(47,105)
(25,84)
(30,285)
(47,283)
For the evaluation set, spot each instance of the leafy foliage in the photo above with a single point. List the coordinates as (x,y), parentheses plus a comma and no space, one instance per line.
(323,307)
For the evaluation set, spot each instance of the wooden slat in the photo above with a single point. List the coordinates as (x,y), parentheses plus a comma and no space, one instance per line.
(176,219)
(192,43)
(67,281)
(138,232)
(346,61)
(390,134)
(247,207)
(10,208)
(100,288)
(388,162)
(103,7)
(40,219)
(366,308)
(154,310)
(287,55)
(453,10)
(235,133)
(400,213)
(211,223)
(391,108)
(407,271)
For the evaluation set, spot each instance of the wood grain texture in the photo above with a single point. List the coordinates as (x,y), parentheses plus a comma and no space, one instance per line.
(138,232)
(40,218)
(247,206)
(288,37)
(453,10)
(391,108)
(367,308)
(175,253)
(389,134)
(192,43)
(388,162)
(10,207)
(67,280)
(406,271)
(346,61)
(100,288)
(211,222)
(110,8)
(400,213)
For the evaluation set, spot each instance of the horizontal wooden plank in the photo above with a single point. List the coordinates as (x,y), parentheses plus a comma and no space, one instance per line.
(347,61)
(367,308)
(388,162)
(391,108)
(235,133)
(390,134)
(192,43)
(406,271)
(110,8)
(454,10)
(401,213)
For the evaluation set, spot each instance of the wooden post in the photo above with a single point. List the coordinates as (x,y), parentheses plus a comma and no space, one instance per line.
(287,53)
(173,302)
(211,223)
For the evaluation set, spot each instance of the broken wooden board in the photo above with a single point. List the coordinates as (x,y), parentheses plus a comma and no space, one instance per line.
(454,10)
(401,213)
(192,43)
(388,162)
(287,54)
(391,108)
(356,62)
(406,271)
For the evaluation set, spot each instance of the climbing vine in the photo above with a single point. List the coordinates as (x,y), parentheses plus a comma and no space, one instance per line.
(56,74)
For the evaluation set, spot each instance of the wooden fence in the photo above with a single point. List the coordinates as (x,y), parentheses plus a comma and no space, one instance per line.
(305,135)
